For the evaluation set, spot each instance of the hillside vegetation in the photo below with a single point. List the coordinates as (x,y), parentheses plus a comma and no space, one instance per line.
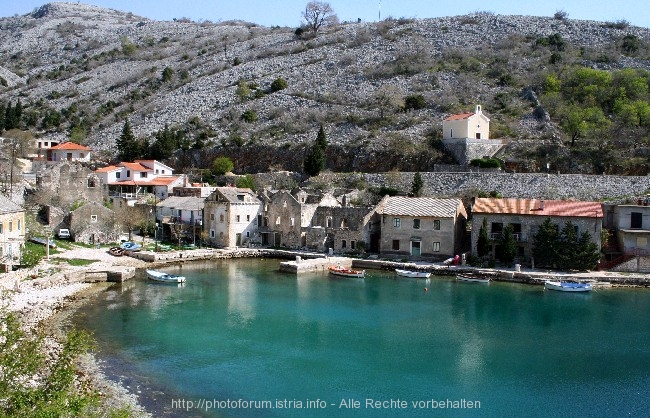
(566,95)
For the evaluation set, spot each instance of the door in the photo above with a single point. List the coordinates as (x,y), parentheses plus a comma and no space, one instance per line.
(415,248)
(238,240)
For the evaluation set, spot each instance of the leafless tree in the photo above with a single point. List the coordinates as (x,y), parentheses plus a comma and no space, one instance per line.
(387,97)
(318,14)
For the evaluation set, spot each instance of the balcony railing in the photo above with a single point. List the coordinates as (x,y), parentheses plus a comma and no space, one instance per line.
(519,237)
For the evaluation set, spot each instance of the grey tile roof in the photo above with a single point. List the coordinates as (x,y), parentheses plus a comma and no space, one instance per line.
(421,206)
(182,202)
(231,194)
(7,206)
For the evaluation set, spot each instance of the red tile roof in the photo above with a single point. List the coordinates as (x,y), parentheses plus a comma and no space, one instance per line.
(135,167)
(107,169)
(460,116)
(158,181)
(537,207)
(70,146)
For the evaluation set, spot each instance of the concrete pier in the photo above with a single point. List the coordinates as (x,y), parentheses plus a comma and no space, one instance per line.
(300,265)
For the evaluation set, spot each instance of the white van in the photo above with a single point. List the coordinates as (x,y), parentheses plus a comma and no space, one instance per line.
(63,233)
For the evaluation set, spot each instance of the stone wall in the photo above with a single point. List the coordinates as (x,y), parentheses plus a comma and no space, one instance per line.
(466,149)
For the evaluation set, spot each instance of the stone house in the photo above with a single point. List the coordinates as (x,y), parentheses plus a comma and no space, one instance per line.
(288,214)
(343,229)
(526,215)
(93,223)
(181,217)
(12,232)
(231,217)
(421,226)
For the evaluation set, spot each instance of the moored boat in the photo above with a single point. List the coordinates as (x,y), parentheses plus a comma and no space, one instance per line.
(410,273)
(159,276)
(567,286)
(472,279)
(346,272)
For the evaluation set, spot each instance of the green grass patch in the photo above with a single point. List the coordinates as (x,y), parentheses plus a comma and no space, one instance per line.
(79,261)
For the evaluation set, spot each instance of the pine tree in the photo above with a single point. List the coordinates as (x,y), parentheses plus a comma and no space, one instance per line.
(587,254)
(416,187)
(567,246)
(483,246)
(509,246)
(2,117)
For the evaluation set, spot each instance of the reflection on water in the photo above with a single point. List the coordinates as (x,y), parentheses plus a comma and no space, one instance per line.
(517,349)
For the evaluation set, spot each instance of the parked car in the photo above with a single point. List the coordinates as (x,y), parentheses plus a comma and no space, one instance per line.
(63,233)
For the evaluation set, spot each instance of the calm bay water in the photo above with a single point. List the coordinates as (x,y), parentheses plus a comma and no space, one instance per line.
(241,330)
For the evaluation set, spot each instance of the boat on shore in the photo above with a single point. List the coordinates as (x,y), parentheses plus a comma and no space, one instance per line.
(43,241)
(159,276)
(472,279)
(346,272)
(567,286)
(410,273)
(130,246)
(116,251)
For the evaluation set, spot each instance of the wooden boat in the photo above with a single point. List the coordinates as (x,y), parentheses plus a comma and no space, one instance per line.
(472,279)
(567,286)
(409,273)
(116,251)
(43,241)
(346,272)
(130,246)
(159,276)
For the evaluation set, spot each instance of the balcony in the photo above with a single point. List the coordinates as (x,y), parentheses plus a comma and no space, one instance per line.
(519,237)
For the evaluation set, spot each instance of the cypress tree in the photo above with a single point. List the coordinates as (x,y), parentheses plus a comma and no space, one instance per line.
(587,254)
(127,146)
(483,243)
(567,246)
(315,161)
(321,140)
(545,244)
(509,245)
(416,187)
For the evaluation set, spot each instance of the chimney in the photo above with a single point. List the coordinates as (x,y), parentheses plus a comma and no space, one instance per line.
(541,205)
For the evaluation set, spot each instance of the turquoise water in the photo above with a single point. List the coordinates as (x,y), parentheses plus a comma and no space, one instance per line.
(242,331)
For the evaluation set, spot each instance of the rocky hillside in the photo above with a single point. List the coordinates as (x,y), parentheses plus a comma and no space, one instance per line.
(81,71)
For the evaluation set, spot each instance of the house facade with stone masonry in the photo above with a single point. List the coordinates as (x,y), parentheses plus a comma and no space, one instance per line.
(68,151)
(231,217)
(180,217)
(93,223)
(12,232)
(132,180)
(288,215)
(526,215)
(421,226)
(631,224)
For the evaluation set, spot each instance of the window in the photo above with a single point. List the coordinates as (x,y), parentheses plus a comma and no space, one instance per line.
(128,173)
(292,221)
(1,228)
(93,218)
(396,222)
(162,171)
(329,222)
(436,247)
(353,244)
(221,218)
(212,216)
(436,224)
(117,175)
(396,244)
(81,155)
(248,218)
(344,244)
(157,171)
(212,233)
(416,224)
(11,226)
(237,218)
(248,234)
(478,135)
(277,220)
(636,220)
(19,224)
(143,174)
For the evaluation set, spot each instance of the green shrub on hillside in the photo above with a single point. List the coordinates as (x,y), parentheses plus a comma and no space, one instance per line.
(279,84)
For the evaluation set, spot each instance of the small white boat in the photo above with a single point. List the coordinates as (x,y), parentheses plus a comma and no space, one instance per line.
(346,272)
(159,276)
(130,246)
(409,273)
(473,279)
(567,286)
